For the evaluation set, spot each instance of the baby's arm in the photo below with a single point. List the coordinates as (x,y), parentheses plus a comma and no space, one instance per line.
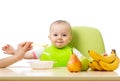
(19,54)
(75,51)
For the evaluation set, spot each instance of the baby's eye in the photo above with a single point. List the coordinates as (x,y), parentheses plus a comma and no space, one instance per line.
(55,35)
(64,35)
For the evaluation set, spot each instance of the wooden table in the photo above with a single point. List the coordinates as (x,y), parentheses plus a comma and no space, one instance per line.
(25,73)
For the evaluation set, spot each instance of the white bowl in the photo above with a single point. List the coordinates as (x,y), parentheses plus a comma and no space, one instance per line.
(41,64)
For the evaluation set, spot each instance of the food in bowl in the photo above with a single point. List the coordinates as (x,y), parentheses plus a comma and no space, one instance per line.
(41,64)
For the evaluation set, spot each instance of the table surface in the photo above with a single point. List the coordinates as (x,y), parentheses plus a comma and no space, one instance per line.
(24,73)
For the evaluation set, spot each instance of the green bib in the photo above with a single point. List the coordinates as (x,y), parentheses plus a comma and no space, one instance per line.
(59,55)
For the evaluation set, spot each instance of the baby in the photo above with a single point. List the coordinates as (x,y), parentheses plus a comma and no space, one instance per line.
(60,35)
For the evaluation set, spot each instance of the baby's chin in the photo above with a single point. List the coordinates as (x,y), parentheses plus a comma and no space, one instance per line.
(60,46)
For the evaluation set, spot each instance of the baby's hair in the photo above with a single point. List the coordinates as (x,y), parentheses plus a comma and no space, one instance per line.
(60,22)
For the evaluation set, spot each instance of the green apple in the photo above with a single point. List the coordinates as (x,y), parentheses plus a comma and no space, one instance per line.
(85,63)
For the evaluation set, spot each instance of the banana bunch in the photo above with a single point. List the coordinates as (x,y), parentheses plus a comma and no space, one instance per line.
(104,63)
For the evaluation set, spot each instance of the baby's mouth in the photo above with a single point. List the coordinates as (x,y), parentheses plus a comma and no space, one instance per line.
(59,42)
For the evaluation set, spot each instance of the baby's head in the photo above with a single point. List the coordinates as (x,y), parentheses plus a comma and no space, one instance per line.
(60,33)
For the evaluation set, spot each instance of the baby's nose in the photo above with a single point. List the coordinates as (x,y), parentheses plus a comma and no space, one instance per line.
(59,37)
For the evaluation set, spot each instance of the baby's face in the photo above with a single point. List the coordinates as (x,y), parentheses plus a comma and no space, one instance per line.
(60,35)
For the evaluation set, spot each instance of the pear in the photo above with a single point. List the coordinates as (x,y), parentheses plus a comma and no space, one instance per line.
(85,63)
(74,64)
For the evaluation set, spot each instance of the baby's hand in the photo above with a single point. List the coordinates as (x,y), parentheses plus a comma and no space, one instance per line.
(8,49)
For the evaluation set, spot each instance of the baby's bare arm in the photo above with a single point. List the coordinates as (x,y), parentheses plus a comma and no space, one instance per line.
(29,55)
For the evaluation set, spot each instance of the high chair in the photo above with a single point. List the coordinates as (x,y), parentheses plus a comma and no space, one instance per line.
(87,38)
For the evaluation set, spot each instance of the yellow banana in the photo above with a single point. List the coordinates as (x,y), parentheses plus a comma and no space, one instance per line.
(110,66)
(91,66)
(98,57)
(97,66)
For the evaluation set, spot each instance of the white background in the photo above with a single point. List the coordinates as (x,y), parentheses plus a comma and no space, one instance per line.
(29,20)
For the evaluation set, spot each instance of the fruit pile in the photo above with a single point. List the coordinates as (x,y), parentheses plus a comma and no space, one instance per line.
(76,64)
(104,62)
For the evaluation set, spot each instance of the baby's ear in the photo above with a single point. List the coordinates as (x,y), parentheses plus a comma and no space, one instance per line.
(70,38)
(49,37)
